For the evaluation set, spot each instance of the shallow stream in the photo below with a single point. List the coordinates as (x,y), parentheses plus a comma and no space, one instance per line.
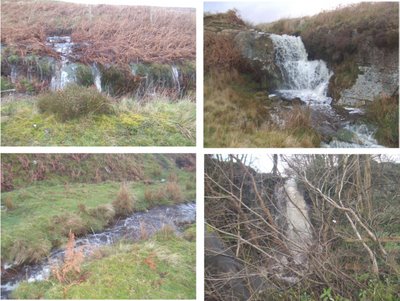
(130,228)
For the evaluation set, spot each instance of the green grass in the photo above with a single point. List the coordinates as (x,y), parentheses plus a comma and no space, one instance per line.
(158,123)
(44,213)
(124,274)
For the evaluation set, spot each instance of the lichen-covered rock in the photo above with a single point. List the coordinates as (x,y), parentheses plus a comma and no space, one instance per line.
(378,74)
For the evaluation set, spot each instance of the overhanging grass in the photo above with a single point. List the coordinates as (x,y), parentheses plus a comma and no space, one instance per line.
(43,213)
(124,274)
(158,123)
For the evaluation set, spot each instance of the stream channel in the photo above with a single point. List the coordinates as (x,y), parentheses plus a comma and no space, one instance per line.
(129,229)
(308,81)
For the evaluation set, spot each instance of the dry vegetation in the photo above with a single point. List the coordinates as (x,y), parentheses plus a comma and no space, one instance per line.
(104,33)
(353,204)
(237,116)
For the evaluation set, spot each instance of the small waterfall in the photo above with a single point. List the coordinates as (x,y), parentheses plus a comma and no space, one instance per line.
(14,74)
(64,71)
(175,76)
(307,80)
(96,76)
(293,218)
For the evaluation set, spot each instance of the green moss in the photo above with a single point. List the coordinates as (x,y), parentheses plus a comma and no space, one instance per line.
(13,59)
(5,84)
(84,75)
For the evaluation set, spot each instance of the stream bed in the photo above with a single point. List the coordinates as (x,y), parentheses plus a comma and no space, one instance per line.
(130,229)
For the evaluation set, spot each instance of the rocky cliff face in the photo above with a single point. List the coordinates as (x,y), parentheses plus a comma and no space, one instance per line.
(378,74)
(255,48)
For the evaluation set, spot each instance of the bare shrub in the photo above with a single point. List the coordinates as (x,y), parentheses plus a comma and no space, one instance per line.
(71,268)
(124,204)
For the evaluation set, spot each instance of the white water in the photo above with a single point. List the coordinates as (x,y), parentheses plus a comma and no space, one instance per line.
(14,74)
(96,76)
(64,73)
(299,231)
(175,76)
(363,138)
(307,80)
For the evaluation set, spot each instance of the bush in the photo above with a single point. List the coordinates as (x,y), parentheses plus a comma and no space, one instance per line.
(124,204)
(74,102)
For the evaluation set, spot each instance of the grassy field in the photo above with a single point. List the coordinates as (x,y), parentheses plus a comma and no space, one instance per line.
(158,123)
(111,34)
(160,268)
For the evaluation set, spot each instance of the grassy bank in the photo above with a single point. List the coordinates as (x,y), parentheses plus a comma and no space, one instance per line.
(159,122)
(384,114)
(49,195)
(160,268)
(40,217)
(238,114)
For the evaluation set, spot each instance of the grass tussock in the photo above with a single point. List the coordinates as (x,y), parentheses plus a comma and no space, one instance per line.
(384,113)
(8,202)
(132,32)
(75,102)
(236,114)
(124,204)
(173,192)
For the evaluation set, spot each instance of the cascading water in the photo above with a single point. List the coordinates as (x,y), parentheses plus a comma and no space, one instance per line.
(307,80)
(96,77)
(130,229)
(175,76)
(299,227)
(64,70)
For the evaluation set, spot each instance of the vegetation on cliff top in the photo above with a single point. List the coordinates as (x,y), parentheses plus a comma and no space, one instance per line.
(104,33)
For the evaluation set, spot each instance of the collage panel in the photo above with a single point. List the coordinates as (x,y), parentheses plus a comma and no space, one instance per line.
(302,227)
(98,75)
(328,77)
(98,226)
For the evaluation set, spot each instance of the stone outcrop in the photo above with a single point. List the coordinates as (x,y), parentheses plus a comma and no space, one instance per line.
(378,75)
(256,48)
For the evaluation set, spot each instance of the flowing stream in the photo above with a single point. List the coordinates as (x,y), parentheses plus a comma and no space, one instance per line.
(308,81)
(130,228)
